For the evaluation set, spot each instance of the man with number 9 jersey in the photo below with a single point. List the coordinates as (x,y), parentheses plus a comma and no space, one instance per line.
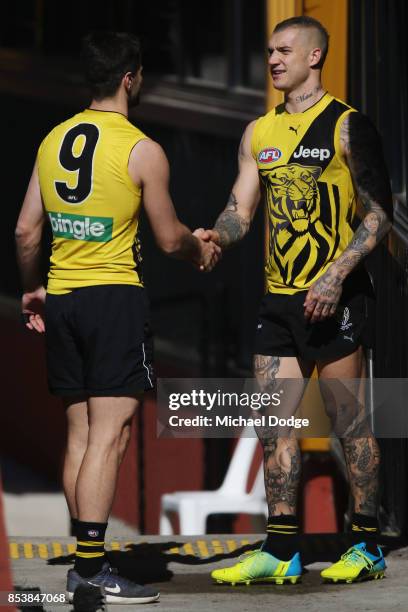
(89,179)
(91,201)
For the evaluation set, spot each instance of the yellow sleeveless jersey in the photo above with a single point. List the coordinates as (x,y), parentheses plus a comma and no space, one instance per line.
(91,202)
(309,192)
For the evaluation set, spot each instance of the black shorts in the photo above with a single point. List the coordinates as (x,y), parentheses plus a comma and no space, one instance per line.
(283,331)
(98,341)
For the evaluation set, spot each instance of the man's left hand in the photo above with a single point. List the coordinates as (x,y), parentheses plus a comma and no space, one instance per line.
(32,308)
(207,235)
(323,296)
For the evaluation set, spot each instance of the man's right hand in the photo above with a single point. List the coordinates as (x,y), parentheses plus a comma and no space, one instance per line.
(210,254)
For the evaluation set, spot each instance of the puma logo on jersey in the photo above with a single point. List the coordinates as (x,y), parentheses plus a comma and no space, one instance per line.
(294,129)
(269,155)
(314,153)
(79,227)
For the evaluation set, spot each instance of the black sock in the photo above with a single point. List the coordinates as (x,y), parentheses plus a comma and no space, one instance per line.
(282,536)
(74,522)
(365,529)
(90,553)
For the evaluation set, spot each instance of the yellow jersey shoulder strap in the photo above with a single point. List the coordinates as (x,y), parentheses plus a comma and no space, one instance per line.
(134,136)
(259,130)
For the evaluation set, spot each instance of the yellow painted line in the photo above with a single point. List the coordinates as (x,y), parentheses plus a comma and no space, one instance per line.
(28,550)
(57,549)
(188,549)
(202,548)
(43,551)
(231,545)
(14,554)
(218,547)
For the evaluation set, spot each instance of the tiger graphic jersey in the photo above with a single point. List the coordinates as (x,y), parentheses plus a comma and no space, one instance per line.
(91,202)
(309,192)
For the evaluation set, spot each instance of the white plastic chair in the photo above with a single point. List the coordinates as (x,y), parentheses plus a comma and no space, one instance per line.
(193,507)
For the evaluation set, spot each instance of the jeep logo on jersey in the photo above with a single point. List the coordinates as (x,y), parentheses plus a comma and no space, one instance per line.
(78,227)
(269,155)
(314,153)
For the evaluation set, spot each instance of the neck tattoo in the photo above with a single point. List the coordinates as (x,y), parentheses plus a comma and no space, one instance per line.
(304,97)
(317,93)
(309,94)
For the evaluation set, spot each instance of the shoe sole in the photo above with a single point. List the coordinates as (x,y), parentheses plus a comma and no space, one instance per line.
(122,600)
(274,579)
(376,576)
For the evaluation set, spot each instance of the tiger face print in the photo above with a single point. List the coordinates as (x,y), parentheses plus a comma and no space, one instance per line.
(295,195)
(298,239)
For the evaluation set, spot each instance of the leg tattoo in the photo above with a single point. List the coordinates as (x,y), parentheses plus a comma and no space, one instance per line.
(363,461)
(266,369)
(282,466)
(282,460)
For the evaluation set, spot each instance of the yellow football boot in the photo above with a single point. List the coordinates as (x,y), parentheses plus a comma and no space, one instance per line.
(260,566)
(355,565)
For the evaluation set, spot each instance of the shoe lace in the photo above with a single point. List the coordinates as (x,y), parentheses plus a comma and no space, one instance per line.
(354,556)
(248,555)
(107,572)
(113,571)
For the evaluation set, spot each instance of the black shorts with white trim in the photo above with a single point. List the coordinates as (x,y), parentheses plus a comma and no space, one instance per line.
(99,342)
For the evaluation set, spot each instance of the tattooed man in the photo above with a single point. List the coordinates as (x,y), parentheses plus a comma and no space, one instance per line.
(315,159)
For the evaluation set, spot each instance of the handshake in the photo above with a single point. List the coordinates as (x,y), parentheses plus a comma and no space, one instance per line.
(210,250)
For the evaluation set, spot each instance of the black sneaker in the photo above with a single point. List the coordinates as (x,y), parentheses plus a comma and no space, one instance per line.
(117,589)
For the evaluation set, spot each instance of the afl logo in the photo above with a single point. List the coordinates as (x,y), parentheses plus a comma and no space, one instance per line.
(269,155)
(93,533)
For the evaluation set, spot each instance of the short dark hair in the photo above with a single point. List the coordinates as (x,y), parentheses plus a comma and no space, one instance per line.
(107,57)
(308,22)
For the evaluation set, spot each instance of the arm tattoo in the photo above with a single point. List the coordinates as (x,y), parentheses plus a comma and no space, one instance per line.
(232,204)
(327,285)
(363,150)
(230,225)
